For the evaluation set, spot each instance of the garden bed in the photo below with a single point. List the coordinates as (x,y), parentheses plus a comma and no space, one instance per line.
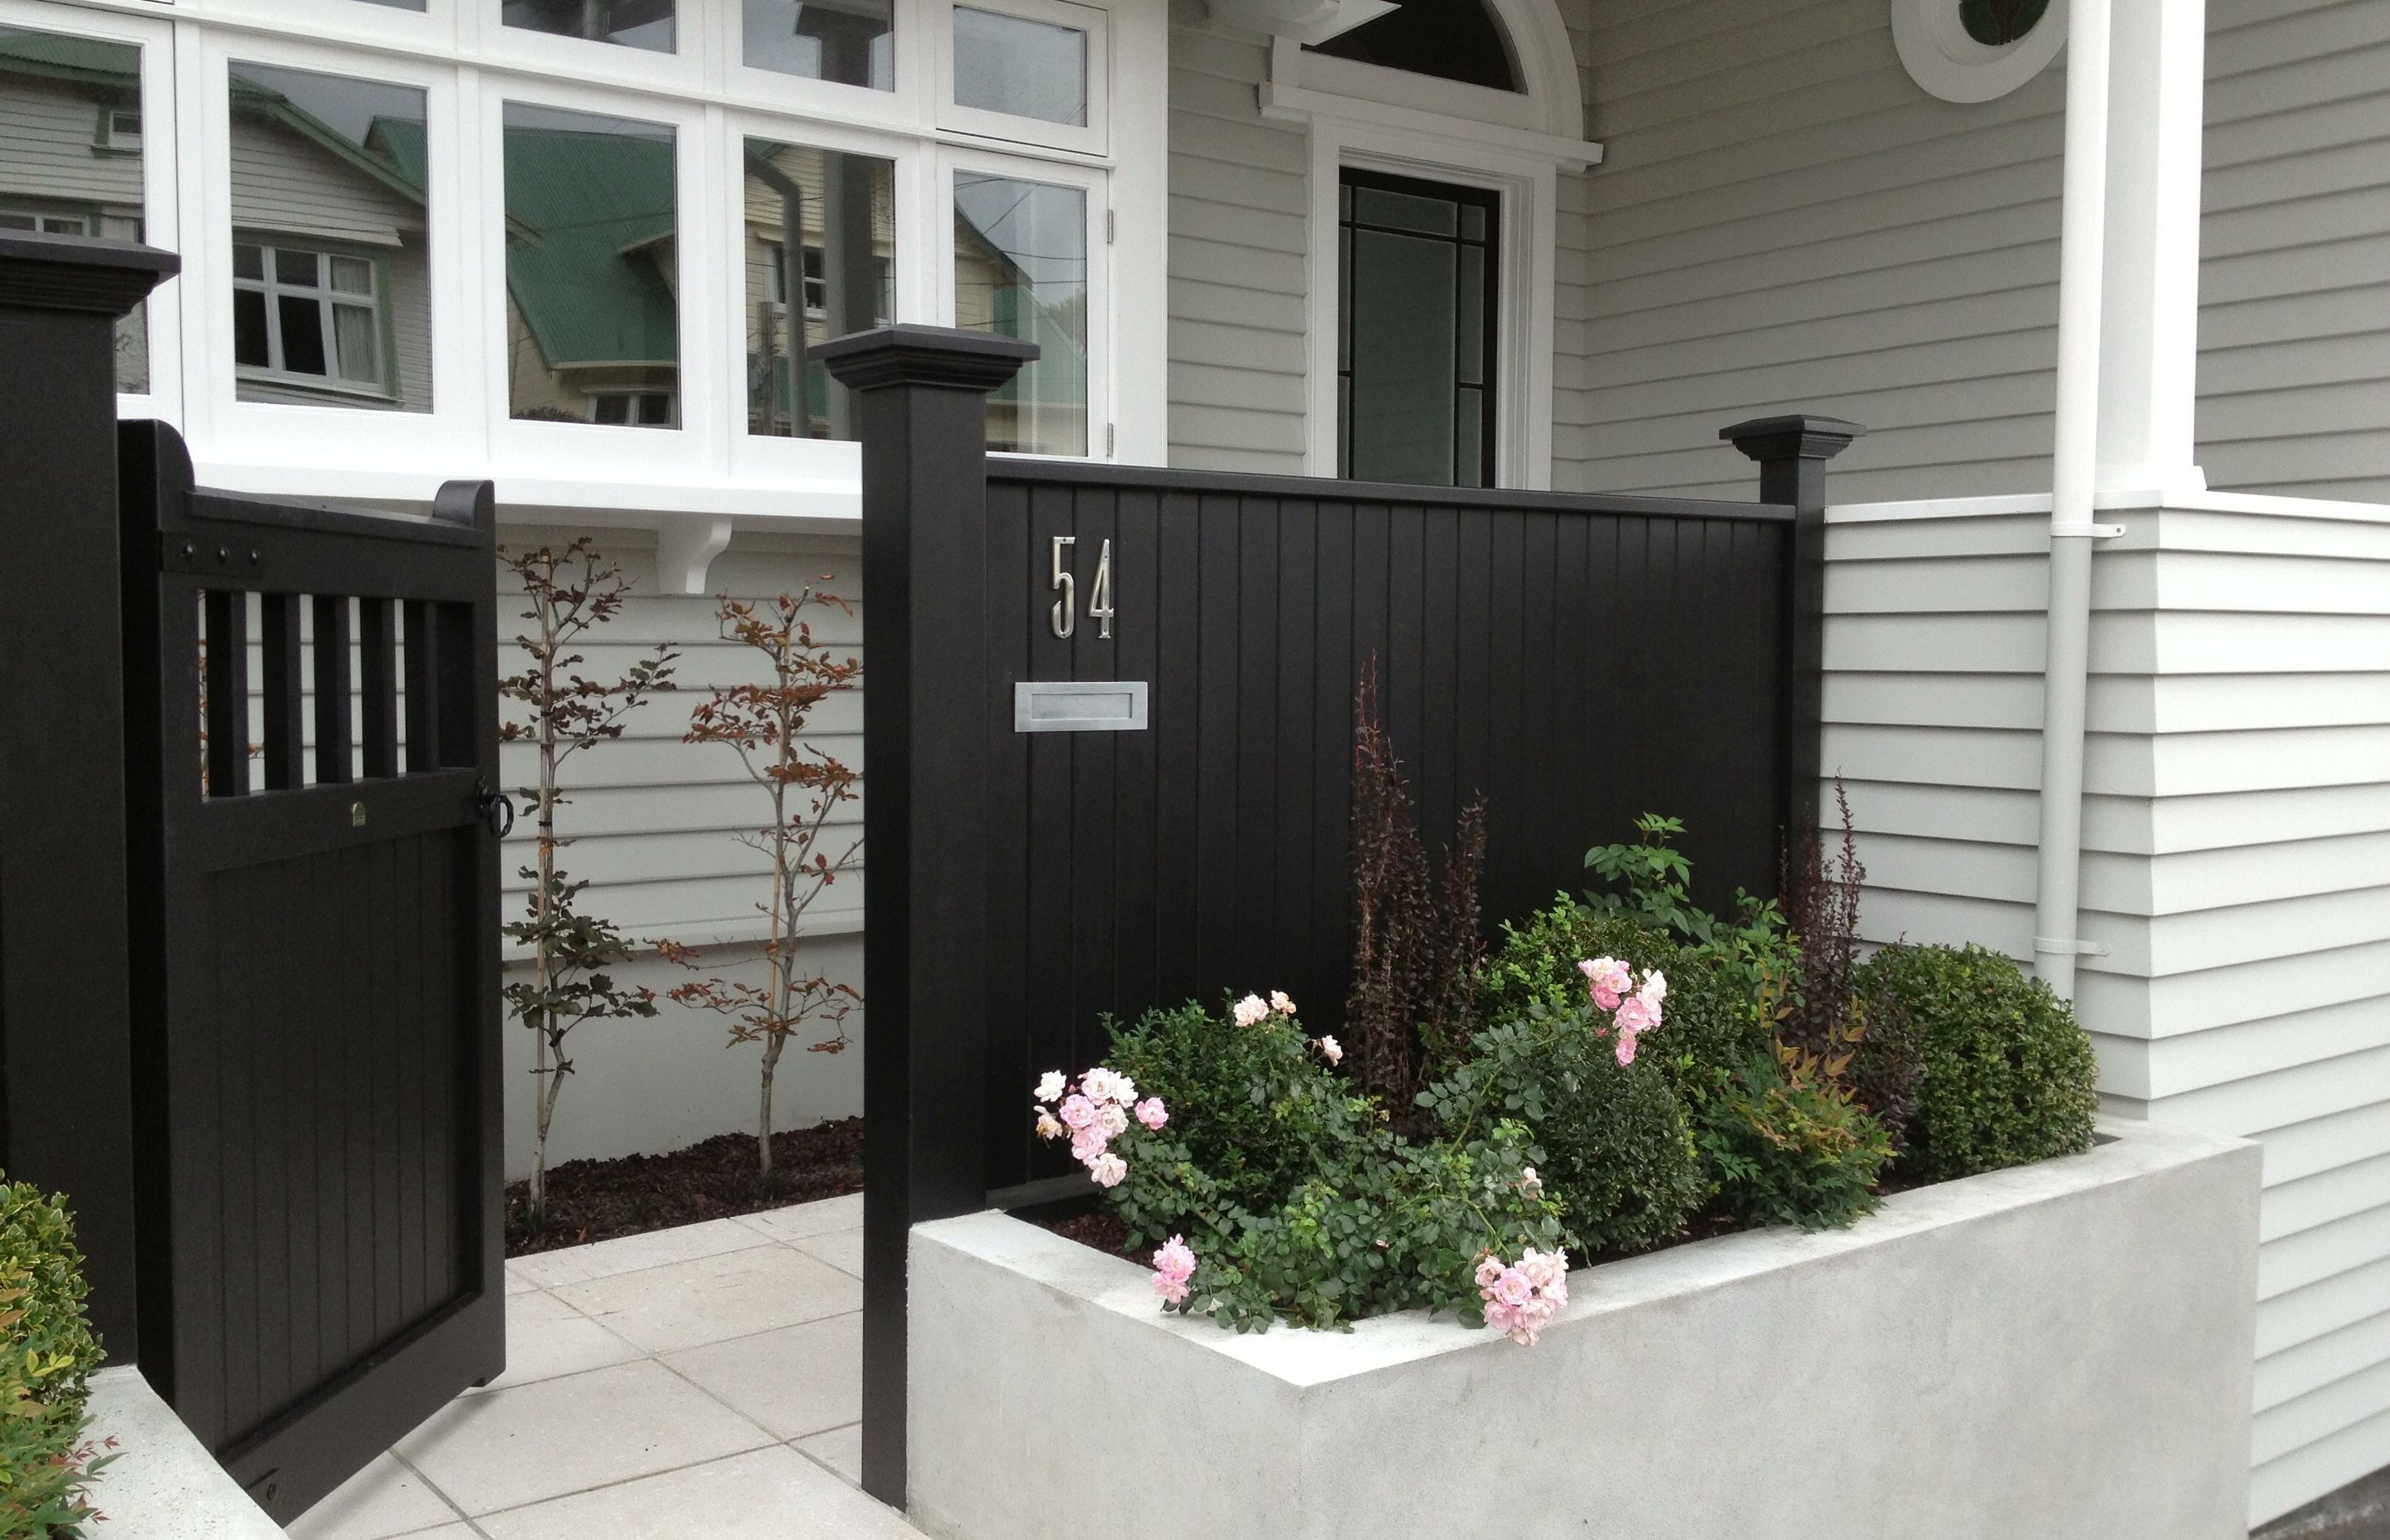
(2059,1349)
(601,1199)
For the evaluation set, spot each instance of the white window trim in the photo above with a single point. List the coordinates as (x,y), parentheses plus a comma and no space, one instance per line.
(269,284)
(1093,137)
(1095,185)
(811,462)
(1527,265)
(671,453)
(296,432)
(159,223)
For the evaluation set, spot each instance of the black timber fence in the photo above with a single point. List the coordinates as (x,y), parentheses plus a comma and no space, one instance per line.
(1110,736)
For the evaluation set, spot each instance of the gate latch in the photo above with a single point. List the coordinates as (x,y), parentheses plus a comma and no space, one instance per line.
(497,811)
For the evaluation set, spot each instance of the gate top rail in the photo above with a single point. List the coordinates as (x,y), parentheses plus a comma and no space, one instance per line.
(452,521)
(1320,489)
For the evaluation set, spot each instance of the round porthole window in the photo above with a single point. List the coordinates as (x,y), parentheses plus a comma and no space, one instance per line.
(1974,50)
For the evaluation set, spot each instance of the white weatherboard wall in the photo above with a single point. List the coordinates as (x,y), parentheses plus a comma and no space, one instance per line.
(654,823)
(2237,826)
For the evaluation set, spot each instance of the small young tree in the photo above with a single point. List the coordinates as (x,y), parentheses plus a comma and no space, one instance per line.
(570,591)
(765,724)
(1411,1008)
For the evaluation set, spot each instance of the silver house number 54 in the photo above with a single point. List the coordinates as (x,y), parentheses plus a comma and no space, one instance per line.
(1066,590)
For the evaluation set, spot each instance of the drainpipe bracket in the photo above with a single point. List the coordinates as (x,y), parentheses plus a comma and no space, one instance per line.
(2077,948)
(2086,532)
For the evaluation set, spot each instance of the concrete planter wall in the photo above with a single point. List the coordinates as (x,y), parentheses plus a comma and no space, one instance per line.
(2057,1351)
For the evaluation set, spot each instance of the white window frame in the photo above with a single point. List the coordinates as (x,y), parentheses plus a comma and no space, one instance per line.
(1096,184)
(383,444)
(1093,137)
(527,447)
(826,468)
(270,285)
(434,27)
(905,106)
(482,30)
(159,224)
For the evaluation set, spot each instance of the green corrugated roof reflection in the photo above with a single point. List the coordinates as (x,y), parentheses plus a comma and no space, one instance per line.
(55,53)
(587,209)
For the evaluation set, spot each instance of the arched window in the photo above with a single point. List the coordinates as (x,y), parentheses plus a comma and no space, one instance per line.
(1460,40)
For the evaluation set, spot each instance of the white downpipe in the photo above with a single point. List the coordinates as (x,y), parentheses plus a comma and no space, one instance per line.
(2081,265)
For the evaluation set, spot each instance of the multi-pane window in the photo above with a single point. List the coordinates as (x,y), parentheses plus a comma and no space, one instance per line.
(1416,339)
(308,316)
(847,41)
(593,262)
(649,24)
(331,263)
(1020,269)
(838,210)
(71,153)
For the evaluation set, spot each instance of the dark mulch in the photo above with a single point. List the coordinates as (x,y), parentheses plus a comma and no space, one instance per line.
(599,1200)
(1094,1227)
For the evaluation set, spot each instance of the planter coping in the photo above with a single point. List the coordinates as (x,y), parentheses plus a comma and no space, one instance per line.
(1300,1357)
(163,1485)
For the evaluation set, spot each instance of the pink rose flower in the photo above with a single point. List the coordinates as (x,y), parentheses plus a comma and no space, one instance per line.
(1152,1114)
(1331,1051)
(1102,1085)
(1625,1049)
(1634,1015)
(1280,1004)
(1172,1267)
(1087,1144)
(1111,1121)
(1047,1127)
(1108,1170)
(1512,1288)
(1608,979)
(1489,1268)
(1051,1086)
(1078,1111)
(1252,1011)
(1654,990)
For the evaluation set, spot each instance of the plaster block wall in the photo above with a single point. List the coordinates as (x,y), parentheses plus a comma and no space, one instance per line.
(2236,863)
(654,824)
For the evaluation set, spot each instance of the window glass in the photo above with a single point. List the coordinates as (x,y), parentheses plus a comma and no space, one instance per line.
(1027,69)
(71,153)
(1459,40)
(850,42)
(592,268)
(1414,350)
(331,240)
(838,211)
(634,23)
(398,4)
(1020,269)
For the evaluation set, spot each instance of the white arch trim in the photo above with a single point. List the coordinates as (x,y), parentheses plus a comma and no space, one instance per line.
(1518,143)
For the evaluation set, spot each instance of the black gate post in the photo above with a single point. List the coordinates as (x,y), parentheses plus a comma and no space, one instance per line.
(1792,451)
(65,1121)
(923,392)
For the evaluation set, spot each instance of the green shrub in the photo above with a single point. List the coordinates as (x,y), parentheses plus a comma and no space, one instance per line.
(1616,1148)
(2010,1077)
(1296,1196)
(1790,1147)
(1712,1024)
(46,1356)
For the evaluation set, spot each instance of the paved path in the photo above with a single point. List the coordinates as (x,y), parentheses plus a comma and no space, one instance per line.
(703,1381)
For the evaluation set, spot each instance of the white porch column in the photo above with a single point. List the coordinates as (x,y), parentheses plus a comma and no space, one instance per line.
(2149,342)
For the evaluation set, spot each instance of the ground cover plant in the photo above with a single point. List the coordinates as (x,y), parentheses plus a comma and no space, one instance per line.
(47,1459)
(1625,1072)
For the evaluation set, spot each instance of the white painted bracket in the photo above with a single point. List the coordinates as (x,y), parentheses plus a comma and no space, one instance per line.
(2079,948)
(2086,532)
(686,547)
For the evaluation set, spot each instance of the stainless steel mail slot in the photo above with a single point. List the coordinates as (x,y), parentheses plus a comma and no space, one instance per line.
(1078,706)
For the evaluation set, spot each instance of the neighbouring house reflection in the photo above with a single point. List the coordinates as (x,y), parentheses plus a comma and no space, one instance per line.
(593,330)
(838,213)
(331,278)
(847,41)
(1020,269)
(71,153)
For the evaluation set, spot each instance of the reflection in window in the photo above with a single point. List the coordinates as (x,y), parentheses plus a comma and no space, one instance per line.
(331,286)
(632,23)
(1020,269)
(1416,343)
(1028,68)
(850,42)
(593,331)
(71,153)
(838,211)
(398,4)
(1460,40)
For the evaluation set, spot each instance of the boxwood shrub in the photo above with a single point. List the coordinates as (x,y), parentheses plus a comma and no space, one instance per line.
(46,1356)
(2010,1076)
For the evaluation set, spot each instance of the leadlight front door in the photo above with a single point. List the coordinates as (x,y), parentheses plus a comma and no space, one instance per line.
(1415,348)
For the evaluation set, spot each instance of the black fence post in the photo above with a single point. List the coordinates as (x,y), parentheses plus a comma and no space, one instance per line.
(1792,451)
(66,1122)
(923,392)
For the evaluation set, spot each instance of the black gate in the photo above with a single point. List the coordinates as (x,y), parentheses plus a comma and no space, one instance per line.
(315,923)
